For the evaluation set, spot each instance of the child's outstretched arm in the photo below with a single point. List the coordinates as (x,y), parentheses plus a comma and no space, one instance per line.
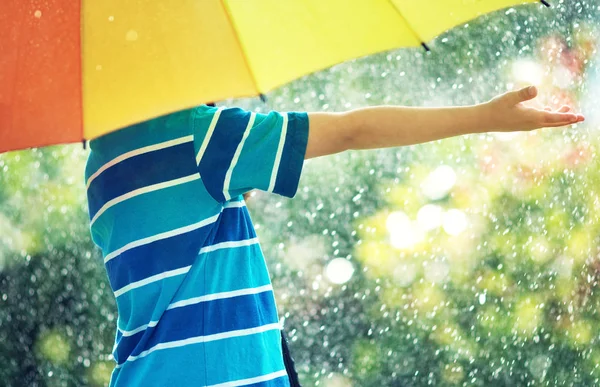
(389,126)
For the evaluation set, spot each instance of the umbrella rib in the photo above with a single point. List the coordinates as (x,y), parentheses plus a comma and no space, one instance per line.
(242,50)
(410,27)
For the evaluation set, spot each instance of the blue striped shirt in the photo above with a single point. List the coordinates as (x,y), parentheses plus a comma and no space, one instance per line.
(194,297)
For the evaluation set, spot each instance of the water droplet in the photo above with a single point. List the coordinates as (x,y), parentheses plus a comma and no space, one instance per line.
(339,271)
(439,182)
(454,222)
(482,298)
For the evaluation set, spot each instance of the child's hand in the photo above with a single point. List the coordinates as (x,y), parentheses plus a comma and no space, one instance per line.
(507,112)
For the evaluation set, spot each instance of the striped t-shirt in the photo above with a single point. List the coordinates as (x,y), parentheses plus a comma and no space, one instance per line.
(194,297)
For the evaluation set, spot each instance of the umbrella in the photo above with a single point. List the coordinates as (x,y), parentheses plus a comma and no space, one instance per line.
(72,70)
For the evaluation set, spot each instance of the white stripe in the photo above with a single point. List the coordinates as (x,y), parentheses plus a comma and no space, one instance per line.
(230,244)
(143,190)
(138,329)
(164,235)
(197,300)
(149,280)
(236,156)
(211,129)
(220,296)
(136,152)
(279,152)
(258,379)
(171,273)
(204,339)
(238,204)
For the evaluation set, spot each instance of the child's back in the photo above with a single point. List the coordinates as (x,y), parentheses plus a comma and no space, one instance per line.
(195,301)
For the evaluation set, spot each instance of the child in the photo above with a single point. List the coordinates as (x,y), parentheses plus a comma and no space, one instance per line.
(195,301)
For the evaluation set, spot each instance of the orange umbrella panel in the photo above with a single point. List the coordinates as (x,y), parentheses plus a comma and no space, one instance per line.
(40,73)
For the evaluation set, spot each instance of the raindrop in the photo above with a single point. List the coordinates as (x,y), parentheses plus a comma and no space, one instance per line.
(402,232)
(527,71)
(429,217)
(439,182)
(454,222)
(539,365)
(404,274)
(437,271)
(482,298)
(339,271)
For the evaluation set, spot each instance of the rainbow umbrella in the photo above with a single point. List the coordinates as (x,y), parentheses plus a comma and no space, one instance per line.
(72,70)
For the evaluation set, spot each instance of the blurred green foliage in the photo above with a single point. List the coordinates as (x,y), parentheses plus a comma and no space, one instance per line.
(501,290)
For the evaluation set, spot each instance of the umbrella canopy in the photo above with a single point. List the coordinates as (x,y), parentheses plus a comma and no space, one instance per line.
(76,69)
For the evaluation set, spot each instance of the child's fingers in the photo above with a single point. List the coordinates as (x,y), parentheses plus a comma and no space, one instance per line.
(555,119)
(564,109)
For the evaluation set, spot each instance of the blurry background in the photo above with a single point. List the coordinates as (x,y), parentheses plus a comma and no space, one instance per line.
(469,261)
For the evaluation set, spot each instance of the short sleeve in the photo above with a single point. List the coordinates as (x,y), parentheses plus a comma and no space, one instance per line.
(237,151)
